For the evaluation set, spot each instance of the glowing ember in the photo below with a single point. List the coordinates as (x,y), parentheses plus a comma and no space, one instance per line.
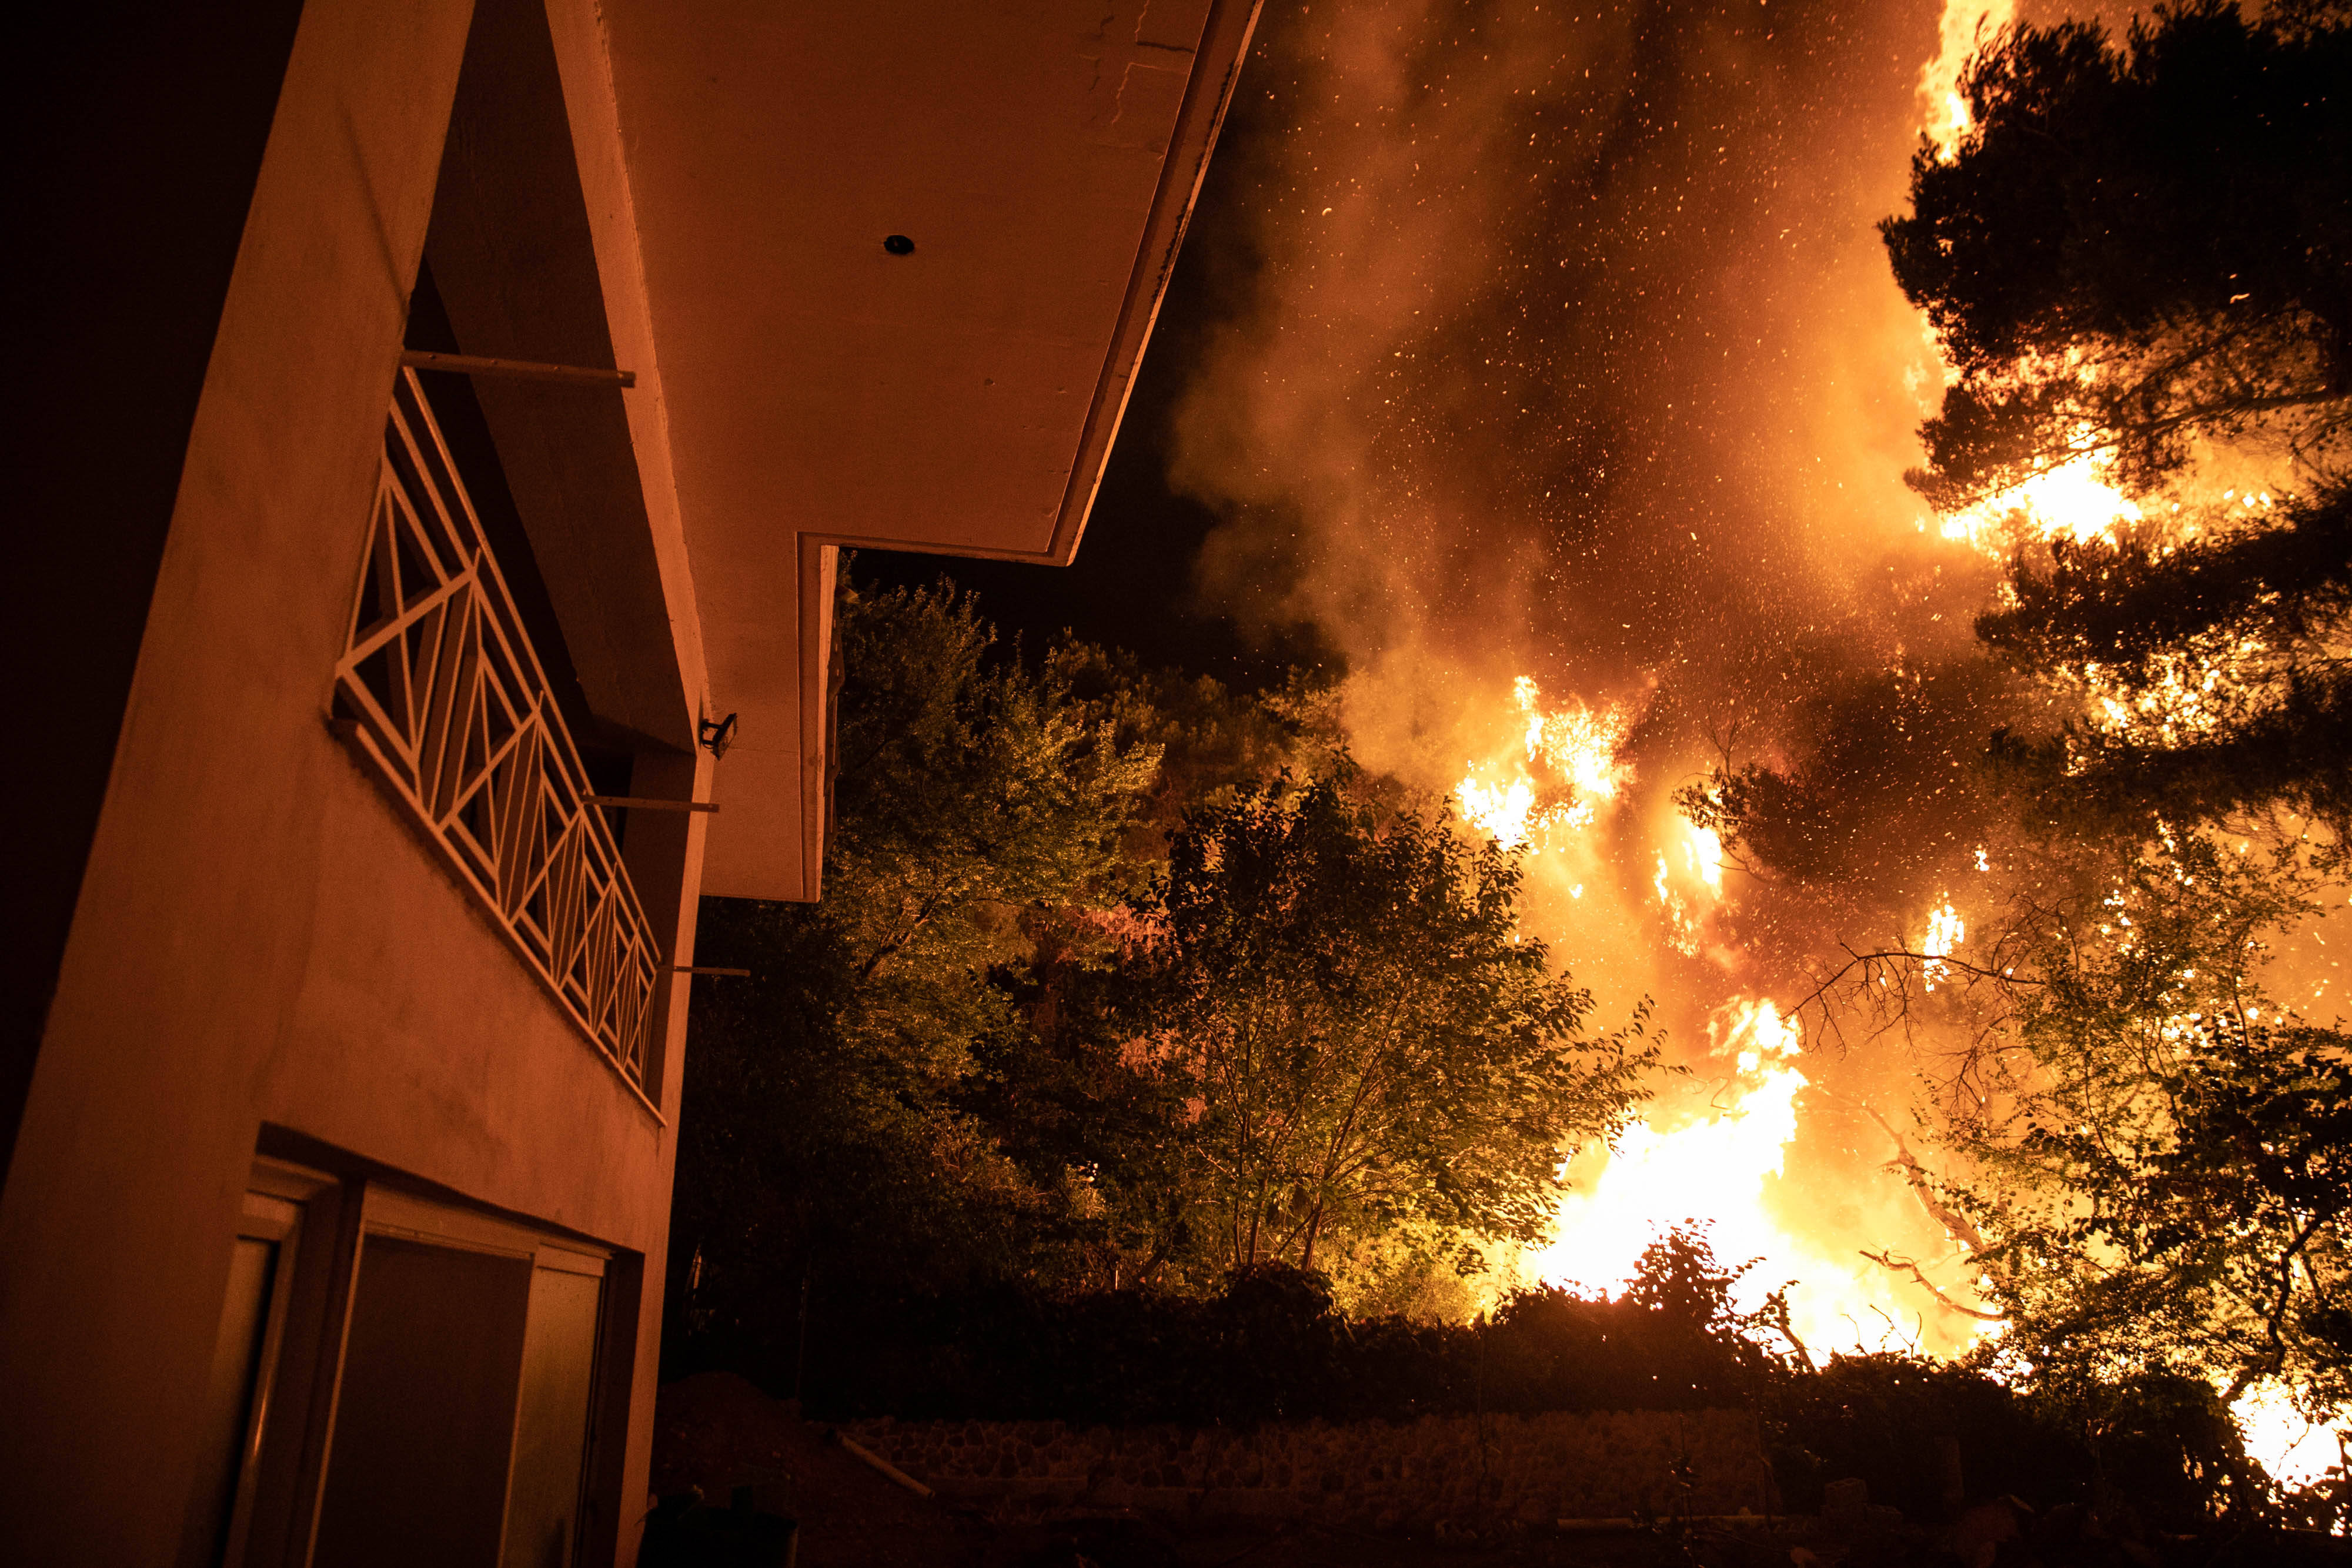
(1566,766)
(2184,697)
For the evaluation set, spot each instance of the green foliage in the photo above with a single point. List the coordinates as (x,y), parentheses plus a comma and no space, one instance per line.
(2146,1151)
(1370,1037)
(839,1104)
(966,791)
(2164,1185)
(2138,246)
(2142,1149)
(927,1079)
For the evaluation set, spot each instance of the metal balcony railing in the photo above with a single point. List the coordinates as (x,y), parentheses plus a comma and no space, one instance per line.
(440,690)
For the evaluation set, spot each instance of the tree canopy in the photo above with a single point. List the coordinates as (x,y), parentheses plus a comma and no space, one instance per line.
(1370,1037)
(2138,257)
(2150,1147)
(2136,246)
(838,1102)
(2140,254)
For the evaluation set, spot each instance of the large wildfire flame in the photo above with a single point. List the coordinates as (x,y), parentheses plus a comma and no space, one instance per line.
(2071,500)
(1565,770)
(1716,1147)
(1943,113)
(1723,316)
(1723,1166)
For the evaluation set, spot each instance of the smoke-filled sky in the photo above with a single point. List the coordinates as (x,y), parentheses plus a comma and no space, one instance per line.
(1568,350)
(1556,340)
(1571,345)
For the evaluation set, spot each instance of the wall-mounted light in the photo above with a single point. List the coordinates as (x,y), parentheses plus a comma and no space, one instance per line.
(717,734)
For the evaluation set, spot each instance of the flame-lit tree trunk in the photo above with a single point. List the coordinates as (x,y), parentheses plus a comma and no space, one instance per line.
(1372,1039)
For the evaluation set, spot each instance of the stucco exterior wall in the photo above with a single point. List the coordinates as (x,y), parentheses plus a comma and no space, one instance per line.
(1460,1469)
(262,938)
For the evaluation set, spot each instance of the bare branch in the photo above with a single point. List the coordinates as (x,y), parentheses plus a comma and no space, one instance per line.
(1905,1266)
(1923,1188)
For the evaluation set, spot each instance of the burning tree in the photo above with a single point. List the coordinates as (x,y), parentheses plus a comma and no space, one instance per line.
(1371,1038)
(2139,259)
(2137,247)
(837,1107)
(2160,1155)
(2145,1154)
(2210,667)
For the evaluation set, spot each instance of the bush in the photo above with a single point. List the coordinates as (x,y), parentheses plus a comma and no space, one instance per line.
(1270,1347)
(1895,1420)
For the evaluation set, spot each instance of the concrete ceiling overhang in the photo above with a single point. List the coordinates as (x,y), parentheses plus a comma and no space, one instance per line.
(821,390)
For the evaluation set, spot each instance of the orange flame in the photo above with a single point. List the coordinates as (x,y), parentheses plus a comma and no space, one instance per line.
(1946,932)
(2295,1451)
(1724,1166)
(1565,770)
(1944,113)
(2072,501)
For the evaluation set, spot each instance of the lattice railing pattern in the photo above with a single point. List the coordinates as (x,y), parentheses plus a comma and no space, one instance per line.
(440,688)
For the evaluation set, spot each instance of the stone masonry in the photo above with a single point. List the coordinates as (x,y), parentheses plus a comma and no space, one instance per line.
(1412,1475)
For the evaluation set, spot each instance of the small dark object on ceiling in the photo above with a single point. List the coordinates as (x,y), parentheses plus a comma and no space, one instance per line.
(899,245)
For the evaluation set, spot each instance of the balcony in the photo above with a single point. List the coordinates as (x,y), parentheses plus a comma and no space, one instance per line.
(438,689)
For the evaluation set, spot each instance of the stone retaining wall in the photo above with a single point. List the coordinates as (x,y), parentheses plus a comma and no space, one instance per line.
(1534,1469)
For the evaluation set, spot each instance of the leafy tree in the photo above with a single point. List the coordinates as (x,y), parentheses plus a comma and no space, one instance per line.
(2140,253)
(2161,1157)
(835,1105)
(2143,1150)
(1369,1037)
(2138,246)
(2147,1157)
